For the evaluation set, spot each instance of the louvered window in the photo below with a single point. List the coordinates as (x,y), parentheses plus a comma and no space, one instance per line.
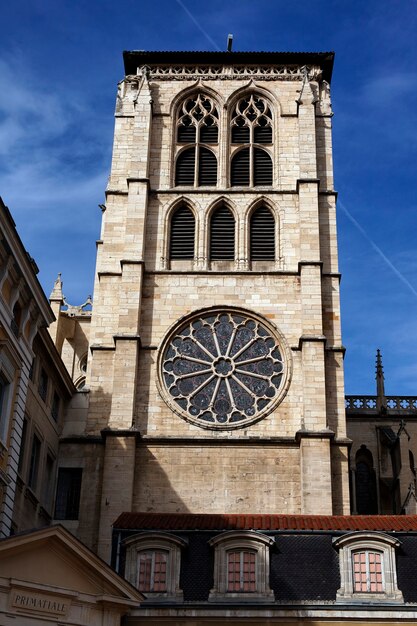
(251,125)
(182,234)
(262,235)
(240,168)
(197,124)
(222,235)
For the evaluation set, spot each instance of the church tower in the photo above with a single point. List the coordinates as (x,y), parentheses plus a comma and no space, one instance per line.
(215,375)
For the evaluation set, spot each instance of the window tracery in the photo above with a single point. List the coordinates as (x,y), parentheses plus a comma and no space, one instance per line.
(223,369)
(251,127)
(197,126)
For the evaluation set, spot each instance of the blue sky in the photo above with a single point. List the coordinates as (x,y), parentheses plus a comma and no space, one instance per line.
(60,62)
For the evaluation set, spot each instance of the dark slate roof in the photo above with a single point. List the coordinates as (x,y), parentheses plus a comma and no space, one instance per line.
(190,521)
(135,58)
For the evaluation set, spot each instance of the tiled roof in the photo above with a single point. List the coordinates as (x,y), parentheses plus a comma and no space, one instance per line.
(188,521)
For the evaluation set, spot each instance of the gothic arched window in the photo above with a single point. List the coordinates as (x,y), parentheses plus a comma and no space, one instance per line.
(366,502)
(197,126)
(222,235)
(182,234)
(251,125)
(262,235)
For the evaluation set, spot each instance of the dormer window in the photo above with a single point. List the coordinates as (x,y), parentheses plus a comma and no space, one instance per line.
(153,562)
(241,566)
(367,568)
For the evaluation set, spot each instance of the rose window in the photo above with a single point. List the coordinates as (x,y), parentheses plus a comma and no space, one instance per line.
(223,369)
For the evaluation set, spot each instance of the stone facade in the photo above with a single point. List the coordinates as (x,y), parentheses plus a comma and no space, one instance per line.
(295,457)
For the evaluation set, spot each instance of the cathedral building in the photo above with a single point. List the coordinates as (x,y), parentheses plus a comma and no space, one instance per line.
(200,445)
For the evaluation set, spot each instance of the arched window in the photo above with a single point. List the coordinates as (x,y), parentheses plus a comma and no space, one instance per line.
(366,501)
(241,566)
(222,235)
(367,567)
(262,235)
(197,124)
(251,124)
(182,235)
(153,563)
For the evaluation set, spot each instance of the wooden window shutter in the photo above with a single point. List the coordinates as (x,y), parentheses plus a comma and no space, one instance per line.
(207,168)
(222,235)
(262,167)
(181,245)
(240,168)
(184,174)
(262,235)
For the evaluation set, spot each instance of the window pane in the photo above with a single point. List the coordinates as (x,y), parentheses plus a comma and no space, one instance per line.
(367,572)
(152,571)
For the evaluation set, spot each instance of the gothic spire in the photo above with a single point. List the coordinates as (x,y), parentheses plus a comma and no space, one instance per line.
(381,401)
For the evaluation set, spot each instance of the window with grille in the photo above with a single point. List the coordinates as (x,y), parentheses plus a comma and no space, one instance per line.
(251,125)
(262,235)
(367,572)
(152,571)
(197,126)
(241,571)
(182,235)
(222,235)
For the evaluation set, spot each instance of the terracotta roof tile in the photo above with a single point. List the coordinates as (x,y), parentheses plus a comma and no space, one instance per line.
(189,521)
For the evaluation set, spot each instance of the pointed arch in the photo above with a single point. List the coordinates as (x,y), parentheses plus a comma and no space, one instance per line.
(365,482)
(182,234)
(170,210)
(262,244)
(191,91)
(196,137)
(222,233)
(251,136)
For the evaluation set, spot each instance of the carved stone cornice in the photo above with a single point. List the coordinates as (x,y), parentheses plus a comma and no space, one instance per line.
(224,72)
